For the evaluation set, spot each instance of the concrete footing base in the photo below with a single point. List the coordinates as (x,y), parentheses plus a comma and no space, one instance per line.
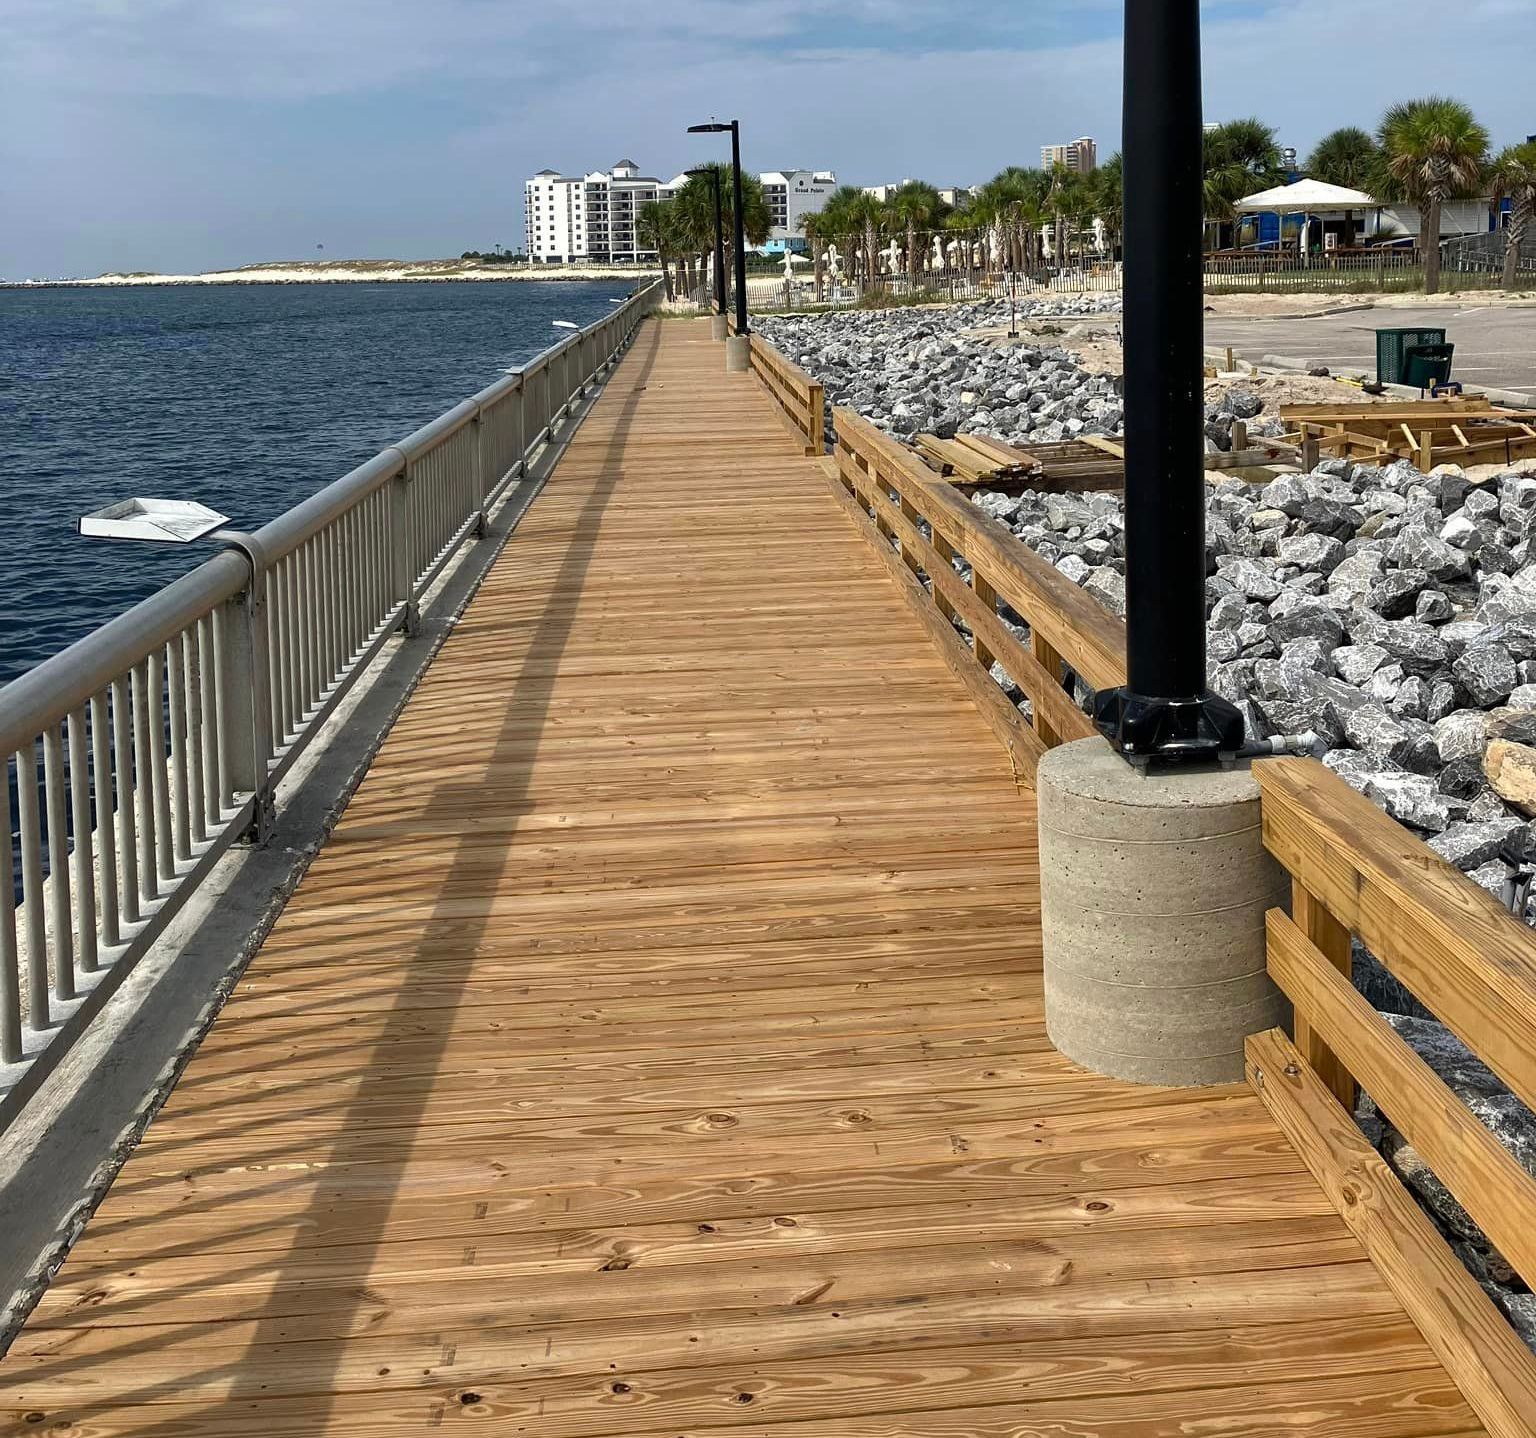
(738,353)
(717,327)
(1153,891)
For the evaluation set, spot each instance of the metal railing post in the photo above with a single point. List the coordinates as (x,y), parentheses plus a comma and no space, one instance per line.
(519,413)
(401,566)
(483,477)
(244,688)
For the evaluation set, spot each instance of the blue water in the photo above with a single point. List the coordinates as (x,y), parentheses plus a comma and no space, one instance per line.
(246,398)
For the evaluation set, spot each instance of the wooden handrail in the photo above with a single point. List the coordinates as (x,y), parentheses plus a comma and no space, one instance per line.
(1081,630)
(1355,871)
(801,399)
(894,493)
(1450,941)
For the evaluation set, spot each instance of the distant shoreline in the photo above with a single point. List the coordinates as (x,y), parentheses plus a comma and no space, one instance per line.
(343,272)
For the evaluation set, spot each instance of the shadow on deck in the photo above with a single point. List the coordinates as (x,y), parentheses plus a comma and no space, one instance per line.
(657,1046)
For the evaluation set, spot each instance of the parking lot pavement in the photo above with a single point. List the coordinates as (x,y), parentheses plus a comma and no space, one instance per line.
(1494,347)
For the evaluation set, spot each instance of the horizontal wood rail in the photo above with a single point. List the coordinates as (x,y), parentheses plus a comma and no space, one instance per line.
(801,399)
(893,494)
(1357,872)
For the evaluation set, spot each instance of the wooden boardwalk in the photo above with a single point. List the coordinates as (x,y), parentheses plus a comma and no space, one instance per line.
(657,1048)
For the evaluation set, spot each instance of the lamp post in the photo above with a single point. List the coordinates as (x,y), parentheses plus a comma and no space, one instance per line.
(718,323)
(1164,713)
(737,346)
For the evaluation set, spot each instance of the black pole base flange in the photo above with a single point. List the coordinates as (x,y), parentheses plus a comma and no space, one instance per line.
(1145,730)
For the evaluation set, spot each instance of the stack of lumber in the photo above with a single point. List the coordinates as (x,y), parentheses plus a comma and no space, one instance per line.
(973,458)
(1081,464)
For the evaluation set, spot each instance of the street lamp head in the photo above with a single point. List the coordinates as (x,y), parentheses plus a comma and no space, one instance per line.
(701,172)
(715,127)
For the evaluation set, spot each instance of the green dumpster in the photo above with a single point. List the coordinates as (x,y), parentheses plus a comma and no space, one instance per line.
(1427,365)
(1392,348)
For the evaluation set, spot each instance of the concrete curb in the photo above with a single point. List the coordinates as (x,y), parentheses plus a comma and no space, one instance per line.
(1401,391)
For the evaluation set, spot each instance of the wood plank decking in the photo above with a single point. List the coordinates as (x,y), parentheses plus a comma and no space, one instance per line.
(657,1048)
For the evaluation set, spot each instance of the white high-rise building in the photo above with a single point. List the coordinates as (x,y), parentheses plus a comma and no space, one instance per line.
(1081,156)
(590,219)
(791,195)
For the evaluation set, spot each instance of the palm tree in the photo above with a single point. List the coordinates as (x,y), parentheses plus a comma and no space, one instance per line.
(1108,186)
(656,230)
(1433,149)
(840,218)
(915,205)
(872,220)
(1348,157)
(813,227)
(1012,204)
(1241,157)
(1514,174)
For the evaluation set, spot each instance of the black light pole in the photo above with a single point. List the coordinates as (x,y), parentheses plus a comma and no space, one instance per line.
(719,127)
(1165,713)
(714,180)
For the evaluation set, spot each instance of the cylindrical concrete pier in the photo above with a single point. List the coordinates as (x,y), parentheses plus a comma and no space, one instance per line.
(738,353)
(717,327)
(1153,890)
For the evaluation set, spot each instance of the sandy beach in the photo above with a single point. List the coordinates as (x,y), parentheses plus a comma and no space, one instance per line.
(318,272)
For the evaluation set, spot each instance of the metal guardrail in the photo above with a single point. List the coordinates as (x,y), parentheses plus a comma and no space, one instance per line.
(146,750)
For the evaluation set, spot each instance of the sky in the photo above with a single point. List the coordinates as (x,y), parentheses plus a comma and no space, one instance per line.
(184,135)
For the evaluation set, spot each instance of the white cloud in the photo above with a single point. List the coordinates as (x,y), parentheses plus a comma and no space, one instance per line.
(187,132)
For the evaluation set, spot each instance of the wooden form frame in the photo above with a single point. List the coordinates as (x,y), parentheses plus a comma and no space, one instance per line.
(1462,430)
(890,493)
(1356,871)
(801,400)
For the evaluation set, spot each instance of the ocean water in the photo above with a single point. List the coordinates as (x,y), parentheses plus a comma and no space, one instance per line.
(246,398)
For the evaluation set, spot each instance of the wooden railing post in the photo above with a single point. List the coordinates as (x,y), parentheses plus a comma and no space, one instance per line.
(988,596)
(817,401)
(1333,941)
(947,552)
(1041,648)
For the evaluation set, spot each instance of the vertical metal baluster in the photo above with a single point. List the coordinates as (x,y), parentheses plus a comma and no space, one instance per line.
(106,820)
(221,687)
(84,858)
(159,777)
(357,580)
(36,926)
(312,676)
(193,665)
(292,706)
(350,579)
(384,556)
(325,567)
(292,634)
(333,563)
(59,907)
(143,786)
(367,611)
(378,589)
(181,805)
(10,957)
(208,679)
(127,825)
(272,617)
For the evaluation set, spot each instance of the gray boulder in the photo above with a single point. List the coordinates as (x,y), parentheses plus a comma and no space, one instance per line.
(1487,673)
